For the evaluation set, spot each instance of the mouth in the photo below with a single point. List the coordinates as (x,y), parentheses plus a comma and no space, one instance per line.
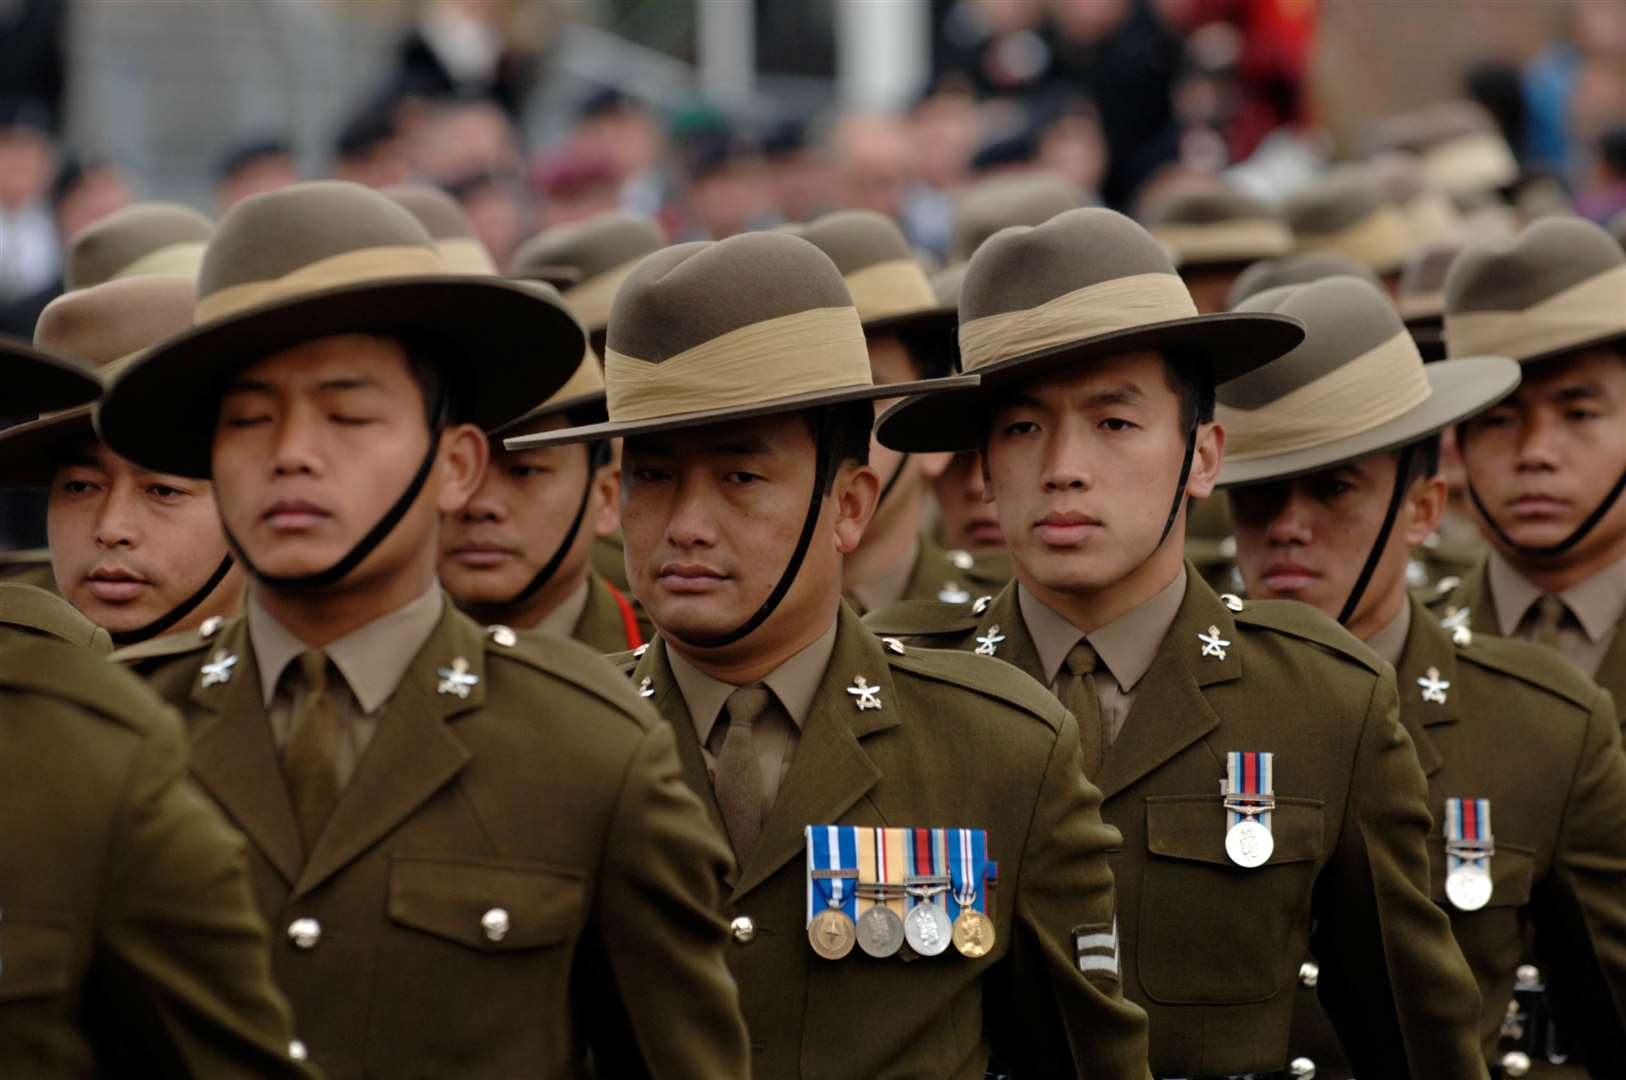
(115,585)
(690,579)
(1288,577)
(1066,529)
(482,554)
(1531,507)
(984,532)
(294,516)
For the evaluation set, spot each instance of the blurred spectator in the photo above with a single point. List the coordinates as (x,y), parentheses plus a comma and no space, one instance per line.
(469,48)
(1000,44)
(84,193)
(944,129)
(574,182)
(728,191)
(1071,144)
(32,44)
(1596,32)
(371,149)
(498,211)
(1495,85)
(29,256)
(254,167)
(799,174)
(1603,197)
(619,128)
(873,153)
(458,139)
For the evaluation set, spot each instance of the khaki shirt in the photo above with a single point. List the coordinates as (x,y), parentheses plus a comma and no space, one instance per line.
(1390,642)
(1127,645)
(794,683)
(372,661)
(562,620)
(1594,609)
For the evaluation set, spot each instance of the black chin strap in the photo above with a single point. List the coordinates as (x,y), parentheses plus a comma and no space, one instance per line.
(1402,482)
(598,455)
(367,544)
(1179,488)
(821,480)
(187,607)
(1551,551)
(892,482)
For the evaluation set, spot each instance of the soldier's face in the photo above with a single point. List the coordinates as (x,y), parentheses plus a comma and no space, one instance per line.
(1544,459)
(969,520)
(711,518)
(1083,466)
(129,546)
(1307,539)
(494,546)
(314,445)
(890,362)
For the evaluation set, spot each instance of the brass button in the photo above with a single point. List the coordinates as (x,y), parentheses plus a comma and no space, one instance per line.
(305,933)
(1527,976)
(1515,1063)
(495,924)
(743,929)
(1309,974)
(1302,1068)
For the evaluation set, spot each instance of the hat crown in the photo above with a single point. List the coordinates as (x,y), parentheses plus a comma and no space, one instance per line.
(1511,273)
(109,322)
(113,246)
(594,246)
(1300,269)
(1027,199)
(439,213)
(857,239)
(1208,207)
(1334,203)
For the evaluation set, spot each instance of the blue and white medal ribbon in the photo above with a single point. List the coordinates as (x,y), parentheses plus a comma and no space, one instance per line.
(1249,791)
(1468,850)
(832,861)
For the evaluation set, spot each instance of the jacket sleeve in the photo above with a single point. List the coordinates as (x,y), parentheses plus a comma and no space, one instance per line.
(185,954)
(1580,909)
(1056,1003)
(1394,983)
(657,909)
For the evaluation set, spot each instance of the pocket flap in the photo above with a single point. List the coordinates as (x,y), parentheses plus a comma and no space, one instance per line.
(1193,827)
(1512,868)
(36,955)
(489,904)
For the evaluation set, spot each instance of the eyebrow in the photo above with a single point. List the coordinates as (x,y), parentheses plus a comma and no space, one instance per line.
(1123,394)
(732,447)
(335,385)
(1578,392)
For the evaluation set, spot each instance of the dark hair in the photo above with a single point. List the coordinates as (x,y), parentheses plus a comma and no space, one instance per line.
(848,426)
(1425,459)
(1193,382)
(426,361)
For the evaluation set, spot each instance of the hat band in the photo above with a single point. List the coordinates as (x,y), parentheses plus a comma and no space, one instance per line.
(465,255)
(1586,311)
(1367,392)
(1377,241)
(1103,308)
(1225,241)
(184,259)
(347,268)
(887,289)
(592,300)
(1432,218)
(1421,305)
(1480,161)
(810,351)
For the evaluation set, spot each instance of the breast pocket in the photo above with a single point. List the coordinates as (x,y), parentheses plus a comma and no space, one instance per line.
(36,955)
(1512,868)
(1212,932)
(486,904)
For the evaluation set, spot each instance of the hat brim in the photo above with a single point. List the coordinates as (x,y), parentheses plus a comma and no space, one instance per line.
(1232,344)
(1613,337)
(29,452)
(591,408)
(559,276)
(937,318)
(1460,389)
(495,334)
(705,417)
(38,382)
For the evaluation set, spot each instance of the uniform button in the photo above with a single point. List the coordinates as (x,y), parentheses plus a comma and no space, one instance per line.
(1309,973)
(304,933)
(743,929)
(1527,975)
(1515,1063)
(297,1051)
(1302,1068)
(495,924)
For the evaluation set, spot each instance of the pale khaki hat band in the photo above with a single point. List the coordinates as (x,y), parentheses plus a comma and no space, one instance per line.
(1231,241)
(1378,240)
(1586,311)
(359,267)
(465,255)
(592,300)
(1425,305)
(1431,219)
(887,289)
(1479,161)
(1103,308)
(183,259)
(802,353)
(1369,391)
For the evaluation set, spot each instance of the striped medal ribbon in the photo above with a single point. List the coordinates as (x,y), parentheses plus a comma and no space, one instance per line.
(1468,851)
(1249,790)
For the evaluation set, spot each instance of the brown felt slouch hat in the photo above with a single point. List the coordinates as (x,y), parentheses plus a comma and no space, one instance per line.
(146,238)
(1349,213)
(1295,270)
(588,260)
(888,284)
(447,225)
(1023,199)
(1217,228)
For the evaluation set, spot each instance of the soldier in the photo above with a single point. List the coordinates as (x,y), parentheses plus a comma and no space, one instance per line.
(1545,469)
(447,225)
(1213,235)
(868,789)
(1094,412)
(1348,213)
(1326,502)
(477,851)
(140,552)
(1294,270)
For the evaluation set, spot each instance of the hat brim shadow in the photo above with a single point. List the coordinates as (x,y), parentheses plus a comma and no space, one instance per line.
(1613,337)
(774,407)
(1230,344)
(495,337)
(1459,390)
(39,382)
(29,452)
(589,408)
(938,318)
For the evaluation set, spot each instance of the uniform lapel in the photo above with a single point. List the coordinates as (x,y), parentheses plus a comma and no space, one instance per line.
(1474,594)
(412,756)
(1612,672)
(1428,648)
(1170,710)
(1005,614)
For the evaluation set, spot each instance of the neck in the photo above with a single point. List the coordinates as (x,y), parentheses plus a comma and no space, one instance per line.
(1371,618)
(1091,609)
(892,534)
(1571,569)
(561,587)
(321,617)
(757,657)
(226,601)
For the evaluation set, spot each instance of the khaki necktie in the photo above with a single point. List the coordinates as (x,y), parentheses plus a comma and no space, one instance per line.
(739,776)
(1081,700)
(1550,612)
(310,760)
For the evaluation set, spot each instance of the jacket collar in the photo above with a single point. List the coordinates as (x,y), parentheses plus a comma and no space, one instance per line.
(1428,657)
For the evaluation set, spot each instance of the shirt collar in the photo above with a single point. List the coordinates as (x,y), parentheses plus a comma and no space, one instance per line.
(373,659)
(1598,603)
(795,683)
(1390,642)
(1126,646)
(562,620)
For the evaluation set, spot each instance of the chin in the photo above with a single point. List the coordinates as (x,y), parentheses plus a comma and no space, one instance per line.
(1073,571)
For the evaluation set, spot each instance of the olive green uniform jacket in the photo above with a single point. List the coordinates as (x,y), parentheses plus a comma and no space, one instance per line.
(129,943)
(25,609)
(952,575)
(1210,950)
(1526,731)
(29,567)
(602,625)
(549,792)
(610,564)
(956,743)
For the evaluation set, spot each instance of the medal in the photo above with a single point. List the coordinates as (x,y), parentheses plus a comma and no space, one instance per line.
(1249,792)
(832,863)
(831,934)
(973,933)
(881,854)
(1468,887)
(927,927)
(968,855)
(880,932)
(1468,850)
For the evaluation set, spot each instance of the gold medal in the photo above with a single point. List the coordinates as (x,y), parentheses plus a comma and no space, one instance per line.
(973,933)
(831,934)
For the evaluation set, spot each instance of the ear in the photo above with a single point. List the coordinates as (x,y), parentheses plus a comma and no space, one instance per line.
(1206,462)
(933,466)
(1425,506)
(605,512)
(857,491)
(464,455)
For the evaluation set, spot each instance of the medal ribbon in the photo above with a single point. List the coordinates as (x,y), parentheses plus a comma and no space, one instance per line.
(1250,781)
(831,847)
(1468,833)
(881,861)
(968,866)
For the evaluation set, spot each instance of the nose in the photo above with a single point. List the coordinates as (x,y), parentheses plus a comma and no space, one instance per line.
(295,451)
(486,507)
(1288,524)
(116,525)
(691,524)
(1064,466)
(1538,439)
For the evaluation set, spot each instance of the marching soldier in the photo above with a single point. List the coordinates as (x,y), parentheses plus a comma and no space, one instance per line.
(1250,754)
(1294,270)
(922,872)
(140,552)
(1327,501)
(1545,469)
(477,852)
(1213,235)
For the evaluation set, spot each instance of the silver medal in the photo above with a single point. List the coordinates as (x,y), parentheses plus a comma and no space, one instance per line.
(1468,887)
(880,932)
(928,929)
(1249,843)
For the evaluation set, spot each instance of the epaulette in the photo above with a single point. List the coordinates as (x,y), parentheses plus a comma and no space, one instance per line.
(916,618)
(72,674)
(627,659)
(985,675)
(47,613)
(1440,593)
(165,646)
(571,662)
(1533,664)
(1303,621)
